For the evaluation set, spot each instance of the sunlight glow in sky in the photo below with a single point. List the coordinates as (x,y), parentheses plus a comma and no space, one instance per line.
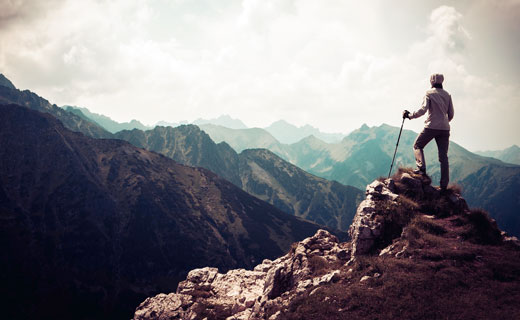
(331,64)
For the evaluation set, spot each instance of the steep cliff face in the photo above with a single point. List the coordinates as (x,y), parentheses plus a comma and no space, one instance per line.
(415,253)
(91,227)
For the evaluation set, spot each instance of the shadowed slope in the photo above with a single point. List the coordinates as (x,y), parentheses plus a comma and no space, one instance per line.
(291,189)
(92,226)
(259,172)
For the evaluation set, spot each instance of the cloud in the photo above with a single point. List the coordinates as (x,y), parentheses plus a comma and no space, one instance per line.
(447,30)
(335,66)
(259,13)
(13,12)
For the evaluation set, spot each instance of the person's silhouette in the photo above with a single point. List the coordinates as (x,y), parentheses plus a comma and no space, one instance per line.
(437,102)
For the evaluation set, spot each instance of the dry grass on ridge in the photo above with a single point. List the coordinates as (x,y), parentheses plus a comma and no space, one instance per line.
(454,266)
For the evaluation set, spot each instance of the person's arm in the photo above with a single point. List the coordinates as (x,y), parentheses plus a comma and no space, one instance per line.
(422,110)
(451,112)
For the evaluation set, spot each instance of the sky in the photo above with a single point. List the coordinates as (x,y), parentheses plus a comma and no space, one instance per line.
(334,64)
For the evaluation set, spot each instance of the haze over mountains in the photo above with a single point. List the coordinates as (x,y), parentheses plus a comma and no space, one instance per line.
(509,155)
(104,121)
(224,120)
(281,130)
(288,133)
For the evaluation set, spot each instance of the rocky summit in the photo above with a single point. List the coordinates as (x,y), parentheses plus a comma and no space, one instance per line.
(415,252)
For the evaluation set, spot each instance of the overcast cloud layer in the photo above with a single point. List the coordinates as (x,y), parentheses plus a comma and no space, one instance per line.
(332,64)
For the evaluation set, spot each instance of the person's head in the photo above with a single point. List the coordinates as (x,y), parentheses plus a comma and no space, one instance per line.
(436,80)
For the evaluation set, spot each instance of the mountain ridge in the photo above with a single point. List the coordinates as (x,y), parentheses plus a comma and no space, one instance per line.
(28,99)
(288,133)
(92,226)
(106,122)
(6,82)
(509,155)
(325,202)
(223,120)
(258,172)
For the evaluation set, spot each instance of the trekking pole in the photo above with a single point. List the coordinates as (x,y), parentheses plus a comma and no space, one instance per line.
(396,145)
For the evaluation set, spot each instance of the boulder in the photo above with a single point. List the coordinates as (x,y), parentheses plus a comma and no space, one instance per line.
(365,229)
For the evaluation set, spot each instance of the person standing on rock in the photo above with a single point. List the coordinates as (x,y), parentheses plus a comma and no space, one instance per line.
(437,102)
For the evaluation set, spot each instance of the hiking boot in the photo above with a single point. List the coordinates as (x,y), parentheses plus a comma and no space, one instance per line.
(420,171)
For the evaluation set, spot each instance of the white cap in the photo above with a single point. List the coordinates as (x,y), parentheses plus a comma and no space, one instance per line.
(436,78)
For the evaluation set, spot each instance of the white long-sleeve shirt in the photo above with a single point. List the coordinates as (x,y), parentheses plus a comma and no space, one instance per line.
(440,109)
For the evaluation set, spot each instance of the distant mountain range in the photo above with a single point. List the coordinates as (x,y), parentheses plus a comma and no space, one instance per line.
(104,121)
(90,227)
(288,133)
(242,139)
(509,155)
(224,120)
(366,154)
(259,172)
(281,130)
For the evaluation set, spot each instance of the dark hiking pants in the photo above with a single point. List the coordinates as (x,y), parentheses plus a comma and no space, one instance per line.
(442,138)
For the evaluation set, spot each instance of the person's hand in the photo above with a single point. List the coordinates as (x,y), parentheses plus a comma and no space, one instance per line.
(406,114)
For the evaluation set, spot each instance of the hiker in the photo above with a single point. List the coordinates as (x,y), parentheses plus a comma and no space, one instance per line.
(438,103)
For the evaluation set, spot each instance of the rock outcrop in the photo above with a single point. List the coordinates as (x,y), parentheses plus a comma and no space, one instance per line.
(249,294)
(382,199)
(387,225)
